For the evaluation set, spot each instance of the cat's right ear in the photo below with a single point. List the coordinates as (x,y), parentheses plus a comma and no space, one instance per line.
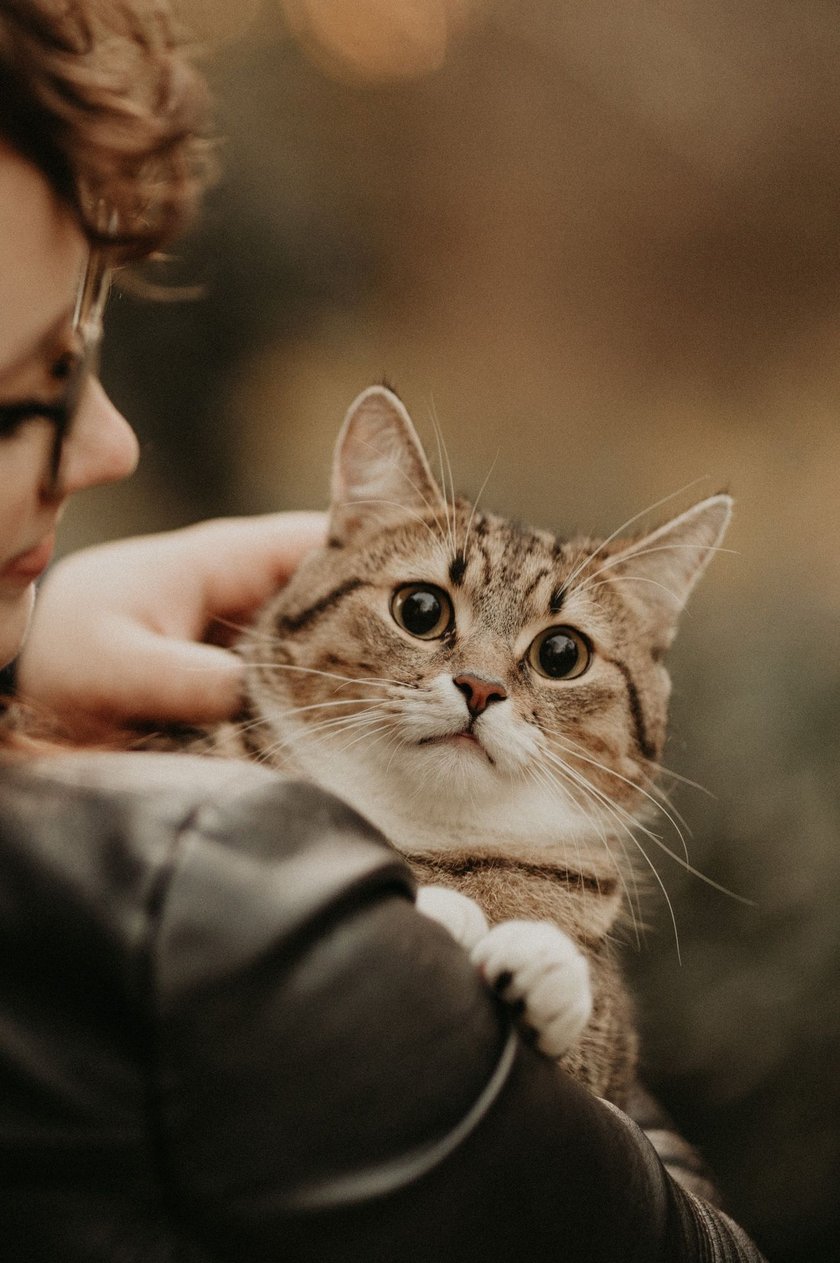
(380,471)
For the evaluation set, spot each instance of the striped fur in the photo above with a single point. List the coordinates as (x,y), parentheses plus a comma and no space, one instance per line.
(531,804)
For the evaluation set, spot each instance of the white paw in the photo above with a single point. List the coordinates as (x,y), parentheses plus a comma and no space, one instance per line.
(536,967)
(459,914)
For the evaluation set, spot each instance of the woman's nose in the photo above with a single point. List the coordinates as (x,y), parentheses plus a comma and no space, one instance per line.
(99,447)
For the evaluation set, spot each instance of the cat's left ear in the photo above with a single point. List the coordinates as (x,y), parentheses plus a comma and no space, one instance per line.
(662,568)
(380,471)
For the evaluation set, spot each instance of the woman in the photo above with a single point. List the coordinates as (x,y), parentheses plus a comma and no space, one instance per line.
(224,1031)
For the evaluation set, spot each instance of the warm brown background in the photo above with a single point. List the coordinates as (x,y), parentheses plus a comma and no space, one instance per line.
(600,238)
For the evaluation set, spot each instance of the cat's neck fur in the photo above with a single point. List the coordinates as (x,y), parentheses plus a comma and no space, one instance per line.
(504,823)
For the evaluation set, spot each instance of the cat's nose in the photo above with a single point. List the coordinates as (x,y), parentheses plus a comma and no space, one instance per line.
(479,692)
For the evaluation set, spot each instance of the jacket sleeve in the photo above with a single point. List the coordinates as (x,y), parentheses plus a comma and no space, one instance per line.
(330,1081)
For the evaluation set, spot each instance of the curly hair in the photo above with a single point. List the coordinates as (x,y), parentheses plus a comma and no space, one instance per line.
(102,96)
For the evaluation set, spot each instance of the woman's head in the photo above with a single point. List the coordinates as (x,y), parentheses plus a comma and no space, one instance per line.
(99,96)
(100,160)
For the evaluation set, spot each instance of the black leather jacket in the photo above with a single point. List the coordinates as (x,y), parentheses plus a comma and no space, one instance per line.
(225,1034)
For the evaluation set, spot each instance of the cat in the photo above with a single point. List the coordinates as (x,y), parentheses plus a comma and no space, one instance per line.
(494,699)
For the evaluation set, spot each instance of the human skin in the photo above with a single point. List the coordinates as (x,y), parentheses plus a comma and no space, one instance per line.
(116,634)
(41,257)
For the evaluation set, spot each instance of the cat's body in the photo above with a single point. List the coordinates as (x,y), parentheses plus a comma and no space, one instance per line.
(492,698)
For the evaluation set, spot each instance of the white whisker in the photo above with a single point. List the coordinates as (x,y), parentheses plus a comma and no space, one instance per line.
(632,553)
(404,509)
(663,846)
(476,500)
(616,813)
(449,541)
(570,789)
(329,675)
(635,518)
(576,752)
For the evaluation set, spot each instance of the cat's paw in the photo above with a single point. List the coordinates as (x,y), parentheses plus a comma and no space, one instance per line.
(460,915)
(538,970)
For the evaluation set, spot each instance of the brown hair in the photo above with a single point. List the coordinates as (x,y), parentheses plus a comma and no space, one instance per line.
(101,95)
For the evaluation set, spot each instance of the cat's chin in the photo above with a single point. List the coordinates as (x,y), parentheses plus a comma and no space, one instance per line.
(447,791)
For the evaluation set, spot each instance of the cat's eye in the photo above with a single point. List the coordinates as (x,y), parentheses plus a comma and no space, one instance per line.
(422,610)
(560,653)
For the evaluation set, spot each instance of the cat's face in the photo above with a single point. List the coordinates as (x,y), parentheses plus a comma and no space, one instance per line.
(438,660)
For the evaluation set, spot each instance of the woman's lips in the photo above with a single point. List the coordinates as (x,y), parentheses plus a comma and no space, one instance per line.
(30,565)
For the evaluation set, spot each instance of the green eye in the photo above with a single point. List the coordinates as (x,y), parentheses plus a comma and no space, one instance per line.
(422,610)
(560,653)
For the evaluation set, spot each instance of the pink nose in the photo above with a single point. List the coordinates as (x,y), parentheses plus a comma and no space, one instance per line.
(479,692)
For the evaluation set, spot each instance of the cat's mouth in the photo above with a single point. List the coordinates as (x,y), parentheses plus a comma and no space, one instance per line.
(464,740)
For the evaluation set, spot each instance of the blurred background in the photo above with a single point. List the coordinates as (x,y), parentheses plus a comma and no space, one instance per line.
(600,242)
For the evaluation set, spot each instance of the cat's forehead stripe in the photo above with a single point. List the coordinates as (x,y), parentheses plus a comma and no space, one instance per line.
(538,578)
(457,569)
(507,568)
(558,596)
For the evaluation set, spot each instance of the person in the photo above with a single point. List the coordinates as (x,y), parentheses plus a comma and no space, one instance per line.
(225,1030)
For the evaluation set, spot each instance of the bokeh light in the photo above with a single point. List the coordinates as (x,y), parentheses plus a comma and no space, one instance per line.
(377,41)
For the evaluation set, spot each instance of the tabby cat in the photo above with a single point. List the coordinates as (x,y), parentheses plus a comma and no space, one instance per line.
(494,699)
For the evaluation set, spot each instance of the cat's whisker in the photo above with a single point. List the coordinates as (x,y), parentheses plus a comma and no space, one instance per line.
(623,819)
(590,585)
(661,770)
(659,793)
(684,863)
(240,628)
(615,808)
(406,509)
(332,726)
(380,679)
(632,553)
(547,777)
(651,508)
(343,723)
(399,743)
(577,752)
(605,803)
(444,464)
(475,503)
(398,469)
(657,790)
(329,675)
(544,778)
(247,725)
(313,733)
(447,479)
(371,734)
(369,702)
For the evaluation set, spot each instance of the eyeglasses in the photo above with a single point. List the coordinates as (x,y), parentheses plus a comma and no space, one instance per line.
(77,366)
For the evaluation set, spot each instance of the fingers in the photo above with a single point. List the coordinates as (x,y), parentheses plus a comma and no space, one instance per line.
(245,559)
(171,681)
(118,630)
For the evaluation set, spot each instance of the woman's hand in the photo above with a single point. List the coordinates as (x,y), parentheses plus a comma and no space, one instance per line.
(134,631)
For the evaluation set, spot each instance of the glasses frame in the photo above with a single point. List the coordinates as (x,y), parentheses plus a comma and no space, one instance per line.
(86,328)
